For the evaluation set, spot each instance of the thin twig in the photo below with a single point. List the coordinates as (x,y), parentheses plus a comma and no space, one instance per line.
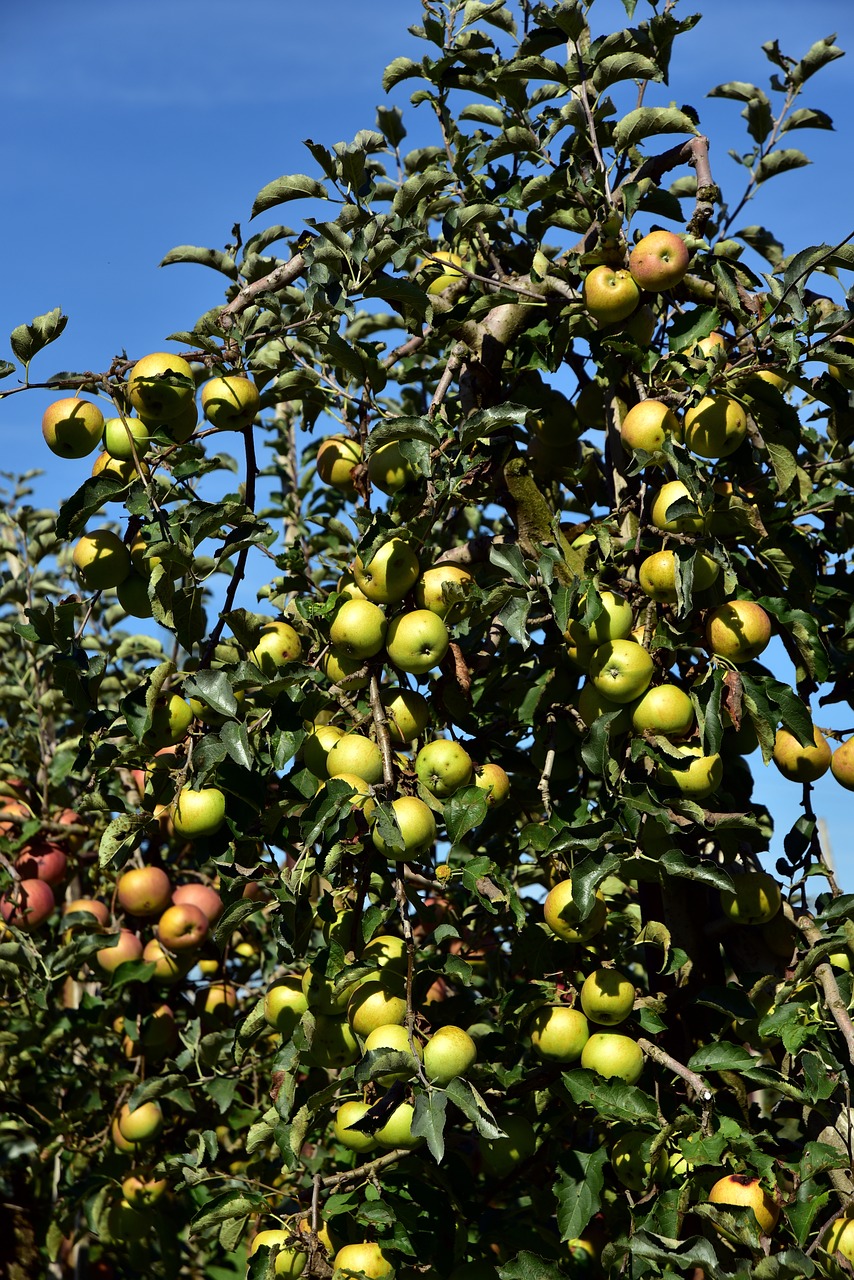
(829,986)
(279,278)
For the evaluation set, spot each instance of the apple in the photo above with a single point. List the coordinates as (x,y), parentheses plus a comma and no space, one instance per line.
(417,641)
(659,261)
(72,427)
(492,779)
(558,1033)
(563,918)
(647,425)
(142,1193)
(349,1113)
(631,1163)
(621,670)
(641,326)
(801,764)
(198,813)
(358,630)
(336,459)
(842,765)
(14,809)
(417,828)
(394,1036)
(443,766)
(144,891)
(119,1141)
(388,950)
(355,754)
(450,1052)
(316,748)
(703,775)
(377,1002)
(448,276)
(613,623)
(168,969)
(159,1036)
(391,572)
(667,496)
(118,434)
(28,904)
(128,947)
(607,997)
(500,1156)
(840,1238)
(657,575)
(171,717)
(320,993)
(44,860)
(407,711)
(738,631)
(182,927)
(613,1056)
(217,1004)
(231,402)
(143,1124)
(178,429)
(289,1261)
(133,596)
(430,590)
(92,907)
(608,295)
(714,427)
(357,1260)
(713,342)
(201,896)
(341,670)
(397,1130)
(665,709)
(333,1044)
(388,469)
(755,899)
(161,386)
(277,645)
(744,1189)
(101,559)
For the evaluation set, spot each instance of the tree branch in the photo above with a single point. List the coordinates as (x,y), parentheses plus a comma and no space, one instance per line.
(283,275)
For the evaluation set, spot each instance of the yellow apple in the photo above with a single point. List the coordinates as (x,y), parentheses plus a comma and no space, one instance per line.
(391,572)
(563,918)
(738,631)
(336,459)
(743,1189)
(607,997)
(667,496)
(101,559)
(799,763)
(358,630)
(72,427)
(659,261)
(230,403)
(755,899)
(608,295)
(842,764)
(702,776)
(715,427)
(665,709)
(559,1033)
(657,575)
(161,386)
(647,425)
(621,670)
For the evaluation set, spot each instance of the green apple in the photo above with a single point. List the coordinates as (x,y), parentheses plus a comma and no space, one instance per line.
(743,1189)
(702,776)
(277,645)
(755,899)
(142,1193)
(613,623)
(127,472)
(500,1156)
(631,1163)
(388,469)
(613,1056)
(336,460)
(397,1130)
(443,766)
(559,1033)
(377,1002)
(417,641)
(840,1238)
(333,1044)
(659,261)
(143,1124)
(118,434)
(607,997)
(450,1052)
(161,386)
(430,590)
(714,427)
(320,992)
(101,559)
(358,630)
(657,575)
(592,704)
(391,572)
(133,596)
(394,1036)
(198,813)
(738,631)
(289,1262)
(647,425)
(388,950)
(342,671)
(621,670)
(178,429)
(492,779)
(417,828)
(316,747)
(608,295)
(72,428)
(355,1261)
(349,1113)
(563,918)
(355,754)
(801,764)
(407,711)
(230,403)
(665,709)
(667,496)
(171,717)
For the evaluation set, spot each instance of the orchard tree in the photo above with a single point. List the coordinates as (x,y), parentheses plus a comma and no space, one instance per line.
(393,903)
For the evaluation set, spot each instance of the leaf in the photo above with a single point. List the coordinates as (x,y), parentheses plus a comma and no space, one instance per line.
(780,161)
(232,1204)
(28,339)
(644,122)
(213,258)
(688,328)
(488,421)
(784,464)
(84,502)
(578,1198)
(236,741)
(675,863)
(737,90)
(721,1057)
(473,1107)
(6,367)
(482,113)
(612,1100)
(530,1266)
(514,616)
(816,57)
(292,186)
(465,810)
(214,689)
(429,1121)
(807,118)
(122,835)
(400,69)
(678,1257)
(401,429)
(624,66)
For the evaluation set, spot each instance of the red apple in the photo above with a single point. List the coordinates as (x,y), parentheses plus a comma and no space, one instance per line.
(43,860)
(182,927)
(201,896)
(28,904)
(144,891)
(128,947)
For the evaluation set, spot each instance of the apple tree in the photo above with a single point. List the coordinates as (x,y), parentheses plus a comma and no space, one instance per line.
(392,900)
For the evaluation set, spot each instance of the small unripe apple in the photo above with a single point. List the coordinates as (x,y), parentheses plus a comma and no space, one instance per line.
(743,1189)
(358,629)
(630,1161)
(621,670)
(613,623)
(450,1052)
(798,763)
(230,403)
(336,459)
(657,575)
(702,776)
(391,572)
(394,1036)
(388,469)
(388,950)
(355,754)
(613,1056)
(142,1193)
(492,779)
(161,386)
(171,718)
(407,711)
(284,1004)
(559,1033)
(342,670)
(198,814)
(608,295)
(667,496)
(101,559)
(563,917)
(607,997)
(647,425)
(659,261)
(397,1130)
(333,1044)
(665,709)
(118,434)
(840,1238)
(377,1002)
(316,748)
(430,590)
(72,427)
(715,427)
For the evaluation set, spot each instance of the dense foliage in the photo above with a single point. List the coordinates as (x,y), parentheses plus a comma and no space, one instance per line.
(442,388)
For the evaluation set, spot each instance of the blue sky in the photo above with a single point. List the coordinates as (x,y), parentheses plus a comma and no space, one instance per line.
(134,128)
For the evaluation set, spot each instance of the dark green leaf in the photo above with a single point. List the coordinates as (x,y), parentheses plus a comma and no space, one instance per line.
(530,1266)
(473,1107)
(646,122)
(816,57)
(213,258)
(578,1193)
(781,161)
(28,339)
(399,69)
(214,689)
(429,1121)
(293,186)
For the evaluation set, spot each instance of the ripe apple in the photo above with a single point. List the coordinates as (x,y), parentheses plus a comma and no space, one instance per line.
(284,1004)
(201,896)
(388,950)
(182,927)
(91,906)
(168,969)
(500,1156)
(417,828)
(119,1141)
(170,720)
(714,427)
(133,596)
(450,1052)
(178,429)
(563,918)
(290,1262)
(316,748)
(144,891)
(801,764)
(141,1125)
(217,1004)
(118,434)
(840,1238)
(128,947)
(448,276)
(358,630)
(647,425)
(665,709)
(430,590)
(142,1193)
(607,997)
(613,1056)
(738,631)
(388,469)
(443,767)
(754,900)
(397,1130)
(230,403)
(277,645)
(417,641)
(631,1163)
(407,711)
(377,1002)
(842,765)
(28,904)
(342,670)
(349,1113)
(743,1189)
(713,342)
(558,1033)
(357,1260)
(391,572)
(667,496)
(609,296)
(355,754)
(492,779)
(394,1036)
(198,813)
(336,459)
(703,775)
(72,427)
(657,575)
(161,386)
(11,809)
(659,261)
(621,670)
(43,860)
(613,623)
(333,1044)
(101,559)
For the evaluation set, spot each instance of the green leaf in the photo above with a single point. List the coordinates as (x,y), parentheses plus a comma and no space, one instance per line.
(214,689)
(783,462)
(807,118)
(578,1193)
(400,69)
(236,741)
(816,57)
(232,1204)
(214,258)
(514,617)
(722,1056)
(689,327)
(429,1121)
(85,502)
(292,186)
(6,367)
(530,1266)
(624,66)
(737,90)
(487,421)
(401,429)
(613,1101)
(473,1107)
(122,836)
(28,339)
(465,810)
(677,1257)
(482,113)
(781,161)
(646,122)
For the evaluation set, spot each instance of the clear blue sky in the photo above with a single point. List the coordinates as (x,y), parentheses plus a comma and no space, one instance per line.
(130,129)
